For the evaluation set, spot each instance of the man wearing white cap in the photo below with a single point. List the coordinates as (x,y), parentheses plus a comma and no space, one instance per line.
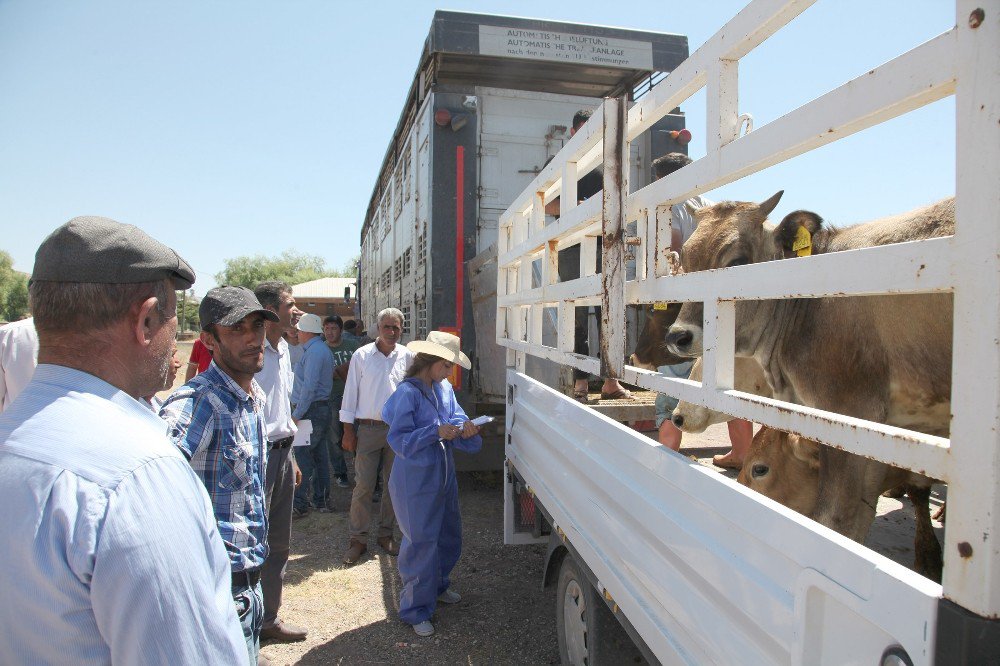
(311,400)
(376,369)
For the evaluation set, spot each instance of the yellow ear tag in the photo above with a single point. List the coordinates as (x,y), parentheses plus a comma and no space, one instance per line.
(660,305)
(803,242)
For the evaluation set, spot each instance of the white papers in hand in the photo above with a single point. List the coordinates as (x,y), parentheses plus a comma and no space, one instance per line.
(482,420)
(302,434)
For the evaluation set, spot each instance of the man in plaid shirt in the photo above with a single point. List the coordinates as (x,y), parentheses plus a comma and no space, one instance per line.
(217,421)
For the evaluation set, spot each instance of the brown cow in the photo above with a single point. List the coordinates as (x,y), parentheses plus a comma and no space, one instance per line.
(651,347)
(882,358)
(785,467)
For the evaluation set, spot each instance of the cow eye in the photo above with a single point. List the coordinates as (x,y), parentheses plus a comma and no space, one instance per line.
(759,470)
(738,261)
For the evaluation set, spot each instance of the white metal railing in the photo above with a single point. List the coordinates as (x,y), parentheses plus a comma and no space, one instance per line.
(964,62)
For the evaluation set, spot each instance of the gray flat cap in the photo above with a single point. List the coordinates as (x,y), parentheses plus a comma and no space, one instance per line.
(98,249)
(230,305)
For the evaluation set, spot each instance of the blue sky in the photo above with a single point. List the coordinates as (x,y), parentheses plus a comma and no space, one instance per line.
(234,128)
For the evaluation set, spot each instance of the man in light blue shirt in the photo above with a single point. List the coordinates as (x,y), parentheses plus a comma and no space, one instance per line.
(111,552)
(310,400)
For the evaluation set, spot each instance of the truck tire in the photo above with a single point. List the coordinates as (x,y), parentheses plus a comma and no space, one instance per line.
(588,633)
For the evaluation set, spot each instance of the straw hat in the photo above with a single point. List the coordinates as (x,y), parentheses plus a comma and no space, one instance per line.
(444,345)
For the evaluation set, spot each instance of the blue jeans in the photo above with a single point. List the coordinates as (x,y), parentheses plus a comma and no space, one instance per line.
(336,436)
(314,460)
(666,404)
(250,608)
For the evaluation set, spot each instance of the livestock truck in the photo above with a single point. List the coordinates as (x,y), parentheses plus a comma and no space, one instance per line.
(655,556)
(492,99)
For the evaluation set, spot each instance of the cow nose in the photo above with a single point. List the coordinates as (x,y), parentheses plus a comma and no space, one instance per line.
(678,420)
(680,340)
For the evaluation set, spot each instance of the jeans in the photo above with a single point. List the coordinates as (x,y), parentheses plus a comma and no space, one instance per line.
(314,460)
(666,404)
(336,436)
(250,608)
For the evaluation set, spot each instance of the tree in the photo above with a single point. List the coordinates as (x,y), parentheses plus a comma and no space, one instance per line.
(290,266)
(187,311)
(13,290)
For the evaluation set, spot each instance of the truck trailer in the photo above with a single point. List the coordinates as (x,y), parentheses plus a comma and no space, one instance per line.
(492,100)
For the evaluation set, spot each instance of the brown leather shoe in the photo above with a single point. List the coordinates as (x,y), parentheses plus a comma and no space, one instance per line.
(280,632)
(354,552)
(387,544)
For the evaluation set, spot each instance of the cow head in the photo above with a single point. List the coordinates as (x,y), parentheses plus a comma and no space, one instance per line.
(651,348)
(783,467)
(731,234)
(694,418)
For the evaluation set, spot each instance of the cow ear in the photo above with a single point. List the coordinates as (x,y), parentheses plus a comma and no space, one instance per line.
(787,232)
(805,450)
(767,206)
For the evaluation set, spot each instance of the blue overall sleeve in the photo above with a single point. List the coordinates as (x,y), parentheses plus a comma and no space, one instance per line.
(458,418)
(408,433)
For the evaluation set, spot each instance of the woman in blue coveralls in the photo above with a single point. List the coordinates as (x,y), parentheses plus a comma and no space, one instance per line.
(425,424)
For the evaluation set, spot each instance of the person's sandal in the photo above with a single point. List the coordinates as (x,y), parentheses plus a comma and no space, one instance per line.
(726,462)
(620,394)
(581,396)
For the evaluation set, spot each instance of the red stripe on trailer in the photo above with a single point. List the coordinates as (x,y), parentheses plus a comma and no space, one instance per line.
(459,237)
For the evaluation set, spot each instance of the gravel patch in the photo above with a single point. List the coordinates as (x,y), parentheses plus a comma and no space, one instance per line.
(504,616)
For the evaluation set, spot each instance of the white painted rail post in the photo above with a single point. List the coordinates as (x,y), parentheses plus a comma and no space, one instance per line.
(613,239)
(972,538)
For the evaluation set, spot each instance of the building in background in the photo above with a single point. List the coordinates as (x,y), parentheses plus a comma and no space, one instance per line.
(328,296)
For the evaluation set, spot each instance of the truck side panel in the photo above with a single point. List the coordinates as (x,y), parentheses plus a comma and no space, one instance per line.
(699,584)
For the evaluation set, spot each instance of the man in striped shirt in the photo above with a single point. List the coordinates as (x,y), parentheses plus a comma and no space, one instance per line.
(217,421)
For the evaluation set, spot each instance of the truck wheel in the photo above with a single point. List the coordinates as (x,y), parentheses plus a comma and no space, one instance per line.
(588,632)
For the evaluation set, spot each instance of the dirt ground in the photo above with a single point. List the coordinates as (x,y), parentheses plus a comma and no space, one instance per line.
(505,616)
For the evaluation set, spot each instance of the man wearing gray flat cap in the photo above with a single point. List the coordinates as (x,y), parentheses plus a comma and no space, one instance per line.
(217,421)
(111,554)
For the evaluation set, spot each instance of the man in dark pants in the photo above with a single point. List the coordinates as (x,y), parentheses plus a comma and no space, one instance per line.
(217,421)
(283,475)
(569,269)
(311,401)
(341,347)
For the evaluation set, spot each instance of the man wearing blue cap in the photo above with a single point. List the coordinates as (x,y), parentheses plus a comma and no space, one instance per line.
(217,421)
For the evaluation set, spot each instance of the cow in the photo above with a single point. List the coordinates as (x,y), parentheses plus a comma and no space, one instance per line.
(881,358)
(747,377)
(651,346)
(786,468)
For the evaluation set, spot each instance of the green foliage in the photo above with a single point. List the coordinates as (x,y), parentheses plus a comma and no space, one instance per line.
(290,266)
(187,311)
(13,290)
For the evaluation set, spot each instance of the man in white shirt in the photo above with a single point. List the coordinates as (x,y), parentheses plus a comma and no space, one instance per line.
(282,475)
(18,357)
(376,369)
